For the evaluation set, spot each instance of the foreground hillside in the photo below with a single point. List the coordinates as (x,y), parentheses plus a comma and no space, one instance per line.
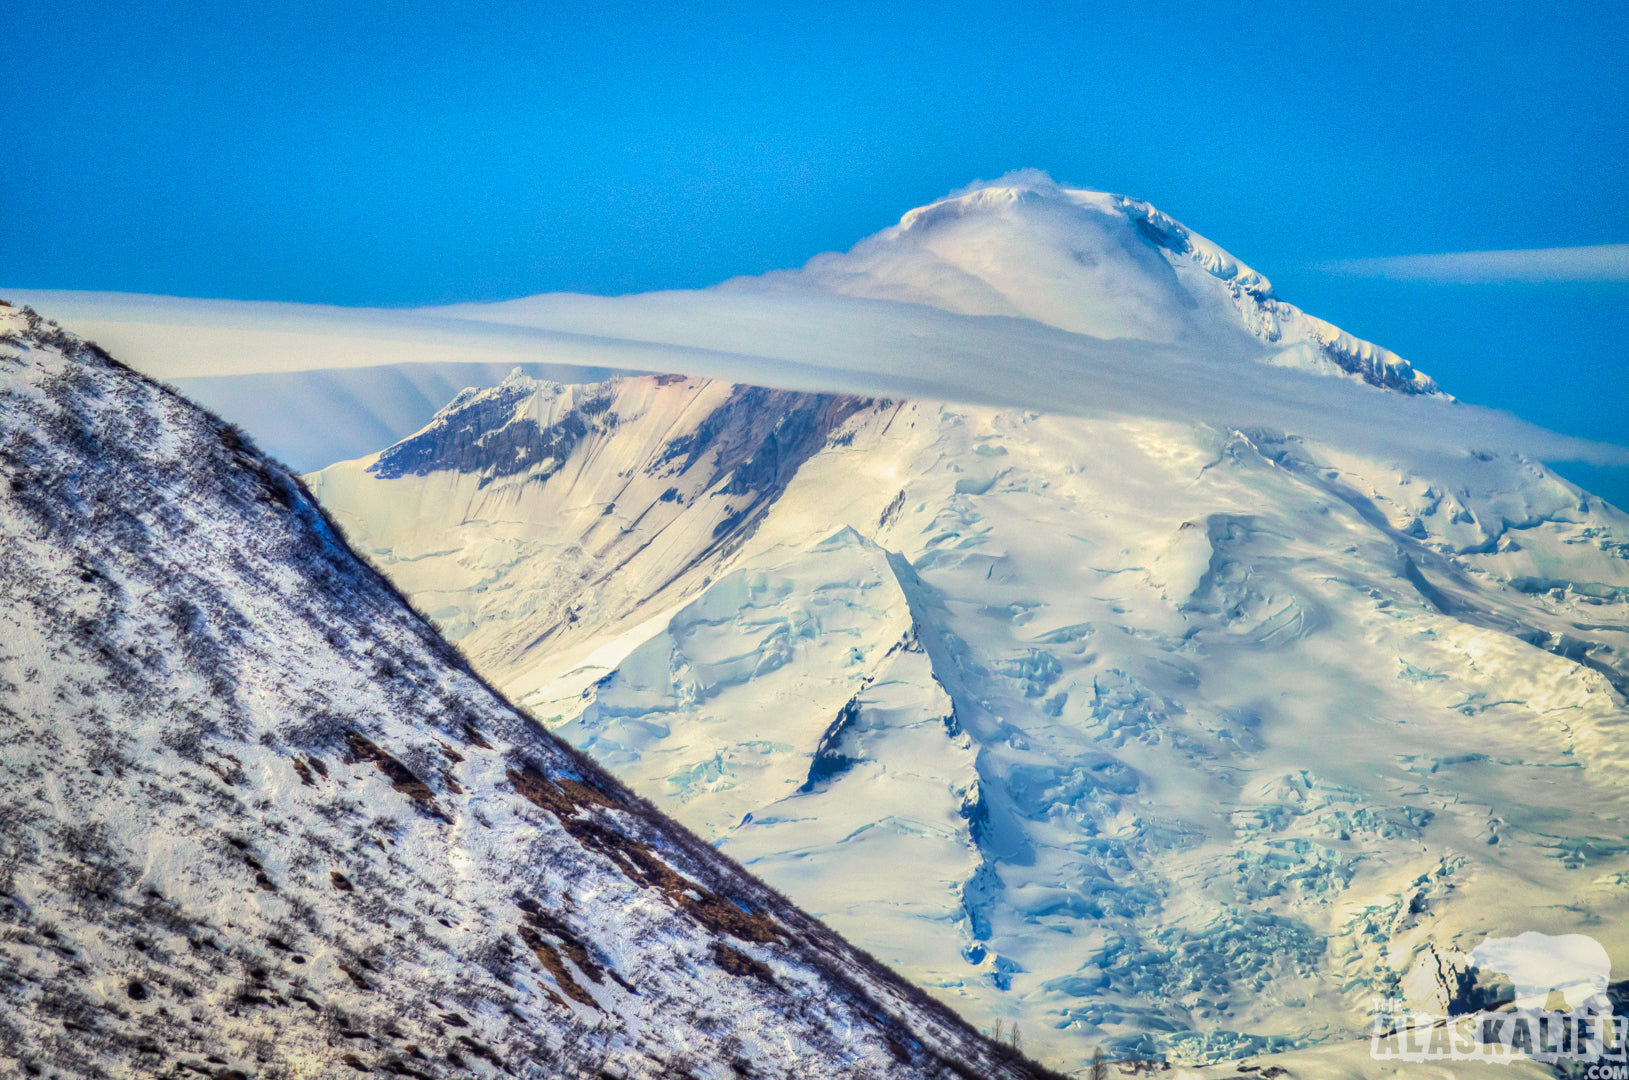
(257,819)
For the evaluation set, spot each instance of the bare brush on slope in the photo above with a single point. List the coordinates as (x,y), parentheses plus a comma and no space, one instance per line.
(257,819)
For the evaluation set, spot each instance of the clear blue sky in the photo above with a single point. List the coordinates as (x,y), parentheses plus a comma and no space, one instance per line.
(411,153)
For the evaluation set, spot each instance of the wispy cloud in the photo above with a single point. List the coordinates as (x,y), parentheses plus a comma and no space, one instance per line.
(1601,262)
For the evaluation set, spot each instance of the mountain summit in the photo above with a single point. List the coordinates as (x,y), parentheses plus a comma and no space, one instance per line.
(1091,263)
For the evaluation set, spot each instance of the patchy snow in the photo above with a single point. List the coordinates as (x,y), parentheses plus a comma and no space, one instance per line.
(257,818)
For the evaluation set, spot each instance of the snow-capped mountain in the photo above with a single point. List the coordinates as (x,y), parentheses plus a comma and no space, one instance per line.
(1105,727)
(1026,294)
(1124,654)
(258,819)
(1091,263)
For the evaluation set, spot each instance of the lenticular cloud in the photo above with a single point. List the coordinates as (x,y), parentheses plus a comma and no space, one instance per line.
(1600,262)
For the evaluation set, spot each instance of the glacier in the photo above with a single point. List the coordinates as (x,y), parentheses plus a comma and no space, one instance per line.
(1187,740)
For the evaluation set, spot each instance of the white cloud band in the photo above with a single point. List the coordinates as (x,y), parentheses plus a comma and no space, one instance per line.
(1601,262)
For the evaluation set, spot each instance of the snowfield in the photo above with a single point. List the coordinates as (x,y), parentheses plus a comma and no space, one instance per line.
(1195,741)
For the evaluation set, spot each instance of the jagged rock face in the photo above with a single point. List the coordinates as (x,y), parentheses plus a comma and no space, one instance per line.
(602,498)
(1186,739)
(484,433)
(257,819)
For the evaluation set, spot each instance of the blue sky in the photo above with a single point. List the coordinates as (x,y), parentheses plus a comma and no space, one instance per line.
(410,153)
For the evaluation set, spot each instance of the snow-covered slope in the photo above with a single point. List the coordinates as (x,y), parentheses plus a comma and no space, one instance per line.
(1191,739)
(1115,720)
(257,819)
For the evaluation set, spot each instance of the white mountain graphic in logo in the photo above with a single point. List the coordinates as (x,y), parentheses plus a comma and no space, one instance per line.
(1554,972)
